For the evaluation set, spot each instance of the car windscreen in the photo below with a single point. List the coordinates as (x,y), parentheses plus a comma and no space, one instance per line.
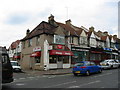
(14,64)
(79,64)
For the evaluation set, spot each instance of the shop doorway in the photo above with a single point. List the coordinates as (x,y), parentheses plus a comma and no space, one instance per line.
(59,62)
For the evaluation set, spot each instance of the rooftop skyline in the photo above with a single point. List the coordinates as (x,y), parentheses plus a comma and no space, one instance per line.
(19,15)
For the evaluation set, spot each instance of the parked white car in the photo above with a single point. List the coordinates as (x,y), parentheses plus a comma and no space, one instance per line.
(16,67)
(118,62)
(108,64)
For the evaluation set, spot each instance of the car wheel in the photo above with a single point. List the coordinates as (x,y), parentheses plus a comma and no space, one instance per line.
(100,71)
(87,73)
(111,66)
(75,74)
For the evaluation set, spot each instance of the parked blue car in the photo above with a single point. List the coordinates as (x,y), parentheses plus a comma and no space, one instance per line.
(86,67)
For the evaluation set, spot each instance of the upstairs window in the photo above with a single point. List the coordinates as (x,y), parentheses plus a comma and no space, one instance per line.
(37,40)
(23,44)
(75,40)
(83,40)
(29,42)
(92,41)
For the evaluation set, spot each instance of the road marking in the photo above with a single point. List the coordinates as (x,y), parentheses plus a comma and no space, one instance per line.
(61,84)
(20,84)
(30,77)
(37,76)
(102,75)
(21,78)
(85,84)
(73,87)
(52,77)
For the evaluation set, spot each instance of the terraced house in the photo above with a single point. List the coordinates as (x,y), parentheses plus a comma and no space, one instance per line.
(14,50)
(54,45)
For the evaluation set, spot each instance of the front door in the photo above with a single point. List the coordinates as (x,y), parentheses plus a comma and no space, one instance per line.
(60,62)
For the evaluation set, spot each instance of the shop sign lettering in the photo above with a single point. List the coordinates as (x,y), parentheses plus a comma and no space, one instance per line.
(36,49)
(60,53)
(79,49)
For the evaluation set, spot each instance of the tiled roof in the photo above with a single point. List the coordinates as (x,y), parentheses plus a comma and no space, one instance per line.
(43,27)
(78,29)
(68,28)
(14,44)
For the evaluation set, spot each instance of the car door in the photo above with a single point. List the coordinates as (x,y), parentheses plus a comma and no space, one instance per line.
(89,67)
(117,63)
(94,67)
(112,63)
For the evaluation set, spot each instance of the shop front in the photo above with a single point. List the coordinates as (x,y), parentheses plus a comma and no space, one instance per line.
(55,58)
(114,54)
(35,58)
(107,53)
(59,59)
(16,57)
(96,54)
(80,54)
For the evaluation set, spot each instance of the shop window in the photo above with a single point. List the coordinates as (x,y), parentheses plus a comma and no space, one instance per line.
(92,56)
(52,59)
(37,59)
(65,59)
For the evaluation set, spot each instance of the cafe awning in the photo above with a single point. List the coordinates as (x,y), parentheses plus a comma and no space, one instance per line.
(35,54)
(58,52)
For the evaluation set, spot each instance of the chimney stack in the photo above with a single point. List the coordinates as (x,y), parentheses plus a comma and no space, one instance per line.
(68,22)
(115,36)
(91,28)
(51,18)
(52,21)
(27,32)
(106,33)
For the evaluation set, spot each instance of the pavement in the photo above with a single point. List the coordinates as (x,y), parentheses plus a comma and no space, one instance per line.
(49,72)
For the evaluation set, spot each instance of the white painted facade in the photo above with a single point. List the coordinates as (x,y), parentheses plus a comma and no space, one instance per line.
(83,39)
(92,40)
(107,42)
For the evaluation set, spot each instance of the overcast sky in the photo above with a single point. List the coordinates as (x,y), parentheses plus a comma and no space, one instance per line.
(16,16)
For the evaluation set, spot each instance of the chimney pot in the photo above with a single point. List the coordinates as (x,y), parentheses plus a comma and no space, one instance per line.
(115,36)
(51,18)
(106,33)
(91,28)
(68,22)
(27,32)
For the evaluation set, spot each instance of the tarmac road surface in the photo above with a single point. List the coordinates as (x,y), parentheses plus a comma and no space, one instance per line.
(106,79)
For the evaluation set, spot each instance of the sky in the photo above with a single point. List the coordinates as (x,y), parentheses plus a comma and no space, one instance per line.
(16,16)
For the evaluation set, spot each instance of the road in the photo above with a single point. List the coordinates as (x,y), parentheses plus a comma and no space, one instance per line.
(106,79)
